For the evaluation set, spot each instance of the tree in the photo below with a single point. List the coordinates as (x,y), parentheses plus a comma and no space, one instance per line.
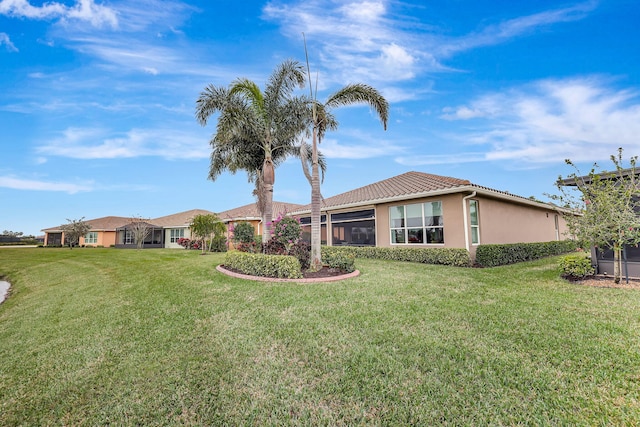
(140,229)
(74,229)
(609,203)
(12,233)
(256,130)
(207,226)
(323,120)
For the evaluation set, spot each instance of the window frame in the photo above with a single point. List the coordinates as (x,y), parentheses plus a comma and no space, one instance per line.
(173,238)
(91,238)
(475,226)
(406,227)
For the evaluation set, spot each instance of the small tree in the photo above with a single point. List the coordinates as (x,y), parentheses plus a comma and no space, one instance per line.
(207,226)
(244,238)
(74,229)
(609,203)
(140,229)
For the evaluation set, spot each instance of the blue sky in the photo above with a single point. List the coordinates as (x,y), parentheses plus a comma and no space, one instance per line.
(97,98)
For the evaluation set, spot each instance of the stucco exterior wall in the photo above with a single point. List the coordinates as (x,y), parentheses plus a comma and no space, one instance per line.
(105,238)
(453,222)
(167,237)
(502,222)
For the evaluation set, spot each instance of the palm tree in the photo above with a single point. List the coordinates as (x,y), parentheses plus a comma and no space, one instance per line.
(256,130)
(324,120)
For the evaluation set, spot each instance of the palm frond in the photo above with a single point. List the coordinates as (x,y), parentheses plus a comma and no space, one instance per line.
(360,93)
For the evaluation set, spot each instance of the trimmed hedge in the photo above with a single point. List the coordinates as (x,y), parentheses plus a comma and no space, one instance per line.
(503,254)
(340,260)
(443,256)
(280,266)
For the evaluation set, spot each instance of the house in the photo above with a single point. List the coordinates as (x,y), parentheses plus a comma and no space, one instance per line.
(176,226)
(414,209)
(251,214)
(116,231)
(102,232)
(417,209)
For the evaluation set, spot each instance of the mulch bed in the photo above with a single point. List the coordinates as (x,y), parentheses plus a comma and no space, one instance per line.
(320,274)
(602,281)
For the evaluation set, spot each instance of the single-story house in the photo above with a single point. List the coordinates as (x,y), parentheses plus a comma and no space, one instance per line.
(115,231)
(417,209)
(414,209)
(176,226)
(102,232)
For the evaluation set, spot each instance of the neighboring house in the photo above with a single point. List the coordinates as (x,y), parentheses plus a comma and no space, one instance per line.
(249,213)
(102,232)
(176,226)
(125,236)
(417,209)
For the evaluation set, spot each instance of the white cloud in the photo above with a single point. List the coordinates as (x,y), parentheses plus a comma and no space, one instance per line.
(84,10)
(509,29)
(370,41)
(98,144)
(583,119)
(366,148)
(441,159)
(5,40)
(36,185)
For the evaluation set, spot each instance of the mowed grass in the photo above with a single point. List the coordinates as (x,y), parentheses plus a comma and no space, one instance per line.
(158,337)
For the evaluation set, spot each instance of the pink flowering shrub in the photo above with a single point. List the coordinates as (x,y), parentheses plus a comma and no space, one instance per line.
(286,230)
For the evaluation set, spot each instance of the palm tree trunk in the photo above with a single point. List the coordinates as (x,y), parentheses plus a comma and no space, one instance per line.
(268,213)
(316,257)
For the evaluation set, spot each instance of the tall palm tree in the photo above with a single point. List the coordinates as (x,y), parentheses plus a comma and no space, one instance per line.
(323,120)
(256,130)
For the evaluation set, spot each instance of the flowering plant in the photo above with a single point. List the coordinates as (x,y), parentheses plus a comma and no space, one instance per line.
(286,230)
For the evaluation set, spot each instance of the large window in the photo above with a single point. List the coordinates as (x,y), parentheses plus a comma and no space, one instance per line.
(176,234)
(475,222)
(91,237)
(357,228)
(417,223)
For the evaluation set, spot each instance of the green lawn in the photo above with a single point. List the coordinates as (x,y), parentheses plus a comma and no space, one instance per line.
(158,337)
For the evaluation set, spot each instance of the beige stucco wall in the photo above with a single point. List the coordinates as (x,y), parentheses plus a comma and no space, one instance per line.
(167,238)
(453,221)
(500,222)
(105,238)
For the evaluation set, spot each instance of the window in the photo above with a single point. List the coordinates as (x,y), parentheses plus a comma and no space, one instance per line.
(356,228)
(128,237)
(419,223)
(176,234)
(91,237)
(475,222)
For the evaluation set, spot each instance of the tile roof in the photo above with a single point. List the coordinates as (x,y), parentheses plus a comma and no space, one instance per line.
(404,185)
(179,219)
(106,223)
(250,211)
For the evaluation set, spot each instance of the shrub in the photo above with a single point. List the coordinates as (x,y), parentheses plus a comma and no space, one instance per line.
(280,266)
(302,251)
(576,267)
(219,244)
(286,230)
(341,260)
(243,232)
(443,256)
(503,254)
(274,247)
(249,247)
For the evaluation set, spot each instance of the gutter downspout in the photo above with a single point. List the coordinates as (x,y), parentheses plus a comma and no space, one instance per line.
(466,220)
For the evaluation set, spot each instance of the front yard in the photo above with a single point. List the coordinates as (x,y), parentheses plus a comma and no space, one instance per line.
(158,337)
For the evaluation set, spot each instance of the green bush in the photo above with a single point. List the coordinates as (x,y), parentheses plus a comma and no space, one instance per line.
(576,267)
(243,232)
(219,244)
(503,254)
(443,256)
(286,230)
(280,266)
(340,260)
